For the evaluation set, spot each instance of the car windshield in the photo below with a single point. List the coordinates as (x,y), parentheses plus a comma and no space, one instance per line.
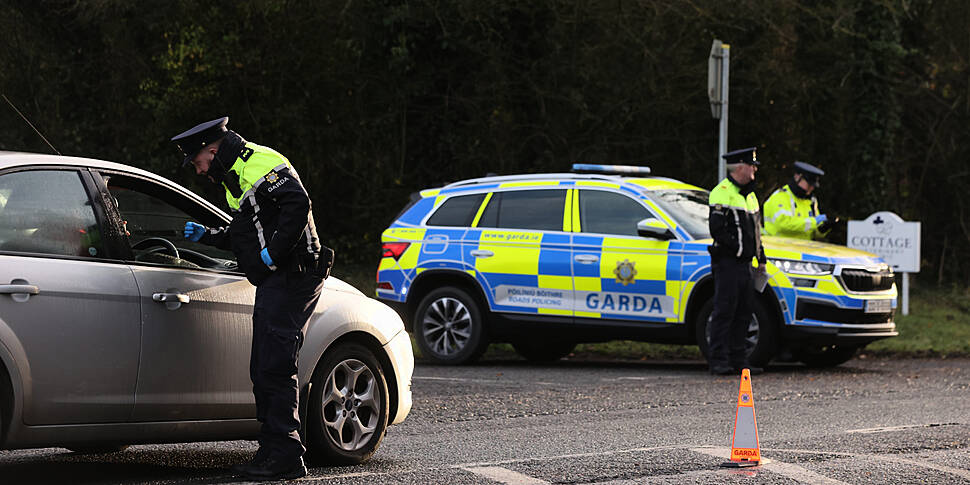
(688,207)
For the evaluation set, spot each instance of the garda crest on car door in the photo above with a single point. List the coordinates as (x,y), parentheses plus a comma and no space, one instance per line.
(618,274)
(522,251)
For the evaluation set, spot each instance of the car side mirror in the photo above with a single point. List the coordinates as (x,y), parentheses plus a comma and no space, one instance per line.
(654,228)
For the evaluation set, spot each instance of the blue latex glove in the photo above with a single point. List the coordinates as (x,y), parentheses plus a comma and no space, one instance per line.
(820,219)
(193,231)
(264,254)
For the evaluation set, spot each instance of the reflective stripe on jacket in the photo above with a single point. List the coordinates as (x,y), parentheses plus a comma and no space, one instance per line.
(735,222)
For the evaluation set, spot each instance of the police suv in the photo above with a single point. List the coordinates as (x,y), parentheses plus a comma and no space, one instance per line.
(546,261)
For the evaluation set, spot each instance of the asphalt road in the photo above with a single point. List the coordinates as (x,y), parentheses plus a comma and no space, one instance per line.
(585,422)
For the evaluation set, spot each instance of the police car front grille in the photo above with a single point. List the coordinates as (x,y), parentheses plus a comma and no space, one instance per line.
(860,280)
(815,311)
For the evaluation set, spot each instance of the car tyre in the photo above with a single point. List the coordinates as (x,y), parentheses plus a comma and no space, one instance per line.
(538,351)
(825,355)
(348,409)
(449,327)
(760,341)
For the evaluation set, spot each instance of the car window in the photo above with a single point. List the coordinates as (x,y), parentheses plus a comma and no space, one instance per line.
(688,207)
(610,213)
(457,211)
(155,215)
(540,210)
(49,212)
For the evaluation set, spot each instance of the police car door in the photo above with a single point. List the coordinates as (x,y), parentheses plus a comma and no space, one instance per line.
(196,310)
(522,256)
(620,275)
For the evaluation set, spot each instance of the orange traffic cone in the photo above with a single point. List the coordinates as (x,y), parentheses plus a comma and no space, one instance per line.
(745,447)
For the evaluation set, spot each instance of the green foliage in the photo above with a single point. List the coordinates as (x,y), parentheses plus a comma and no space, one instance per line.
(375,99)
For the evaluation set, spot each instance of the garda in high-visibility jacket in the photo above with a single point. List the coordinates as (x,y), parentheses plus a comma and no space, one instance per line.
(271,210)
(735,222)
(789,215)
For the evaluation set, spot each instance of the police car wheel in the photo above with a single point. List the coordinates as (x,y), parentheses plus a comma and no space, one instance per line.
(538,351)
(825,355)
(449,328)
(760,340)
(348,409)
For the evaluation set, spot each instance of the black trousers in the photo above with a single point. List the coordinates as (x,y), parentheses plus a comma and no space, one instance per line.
(733,291)
(284,302)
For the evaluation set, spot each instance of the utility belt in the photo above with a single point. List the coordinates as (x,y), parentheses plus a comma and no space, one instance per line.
(315,264)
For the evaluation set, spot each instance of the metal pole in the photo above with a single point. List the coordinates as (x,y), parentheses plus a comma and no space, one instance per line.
(723,133)
(905,293)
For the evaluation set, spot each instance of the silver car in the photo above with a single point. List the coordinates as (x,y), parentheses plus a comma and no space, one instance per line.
(115,330)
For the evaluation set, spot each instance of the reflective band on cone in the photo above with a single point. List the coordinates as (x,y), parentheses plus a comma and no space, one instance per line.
(745,447)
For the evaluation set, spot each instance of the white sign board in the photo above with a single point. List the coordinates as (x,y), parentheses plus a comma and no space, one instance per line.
(890,237)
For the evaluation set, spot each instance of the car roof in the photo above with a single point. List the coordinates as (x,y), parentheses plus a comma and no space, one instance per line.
(15,159)
(9,159)
(635,184)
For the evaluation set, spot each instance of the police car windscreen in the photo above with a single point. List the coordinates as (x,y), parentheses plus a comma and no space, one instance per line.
(688,207)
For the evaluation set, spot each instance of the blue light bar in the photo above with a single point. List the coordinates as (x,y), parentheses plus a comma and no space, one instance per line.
(610,169)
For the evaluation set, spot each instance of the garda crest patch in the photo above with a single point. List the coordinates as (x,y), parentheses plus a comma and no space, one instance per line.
(272,177)
(625,272)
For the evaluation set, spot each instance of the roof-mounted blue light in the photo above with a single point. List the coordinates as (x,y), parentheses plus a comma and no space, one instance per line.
(610,169)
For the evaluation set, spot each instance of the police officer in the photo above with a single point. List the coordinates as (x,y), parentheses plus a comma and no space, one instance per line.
(792,211)
(736,228)
(274,239)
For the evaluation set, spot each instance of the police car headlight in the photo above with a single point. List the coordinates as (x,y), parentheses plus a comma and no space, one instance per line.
(802,267)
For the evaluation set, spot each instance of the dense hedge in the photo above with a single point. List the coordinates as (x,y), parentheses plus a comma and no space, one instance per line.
(373,99)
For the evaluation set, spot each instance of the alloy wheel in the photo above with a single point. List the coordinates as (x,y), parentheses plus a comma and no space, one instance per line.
(447,326)
(351,404)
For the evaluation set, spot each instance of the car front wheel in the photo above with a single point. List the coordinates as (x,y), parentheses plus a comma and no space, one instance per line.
(348,408)
(759,340)
(448,327)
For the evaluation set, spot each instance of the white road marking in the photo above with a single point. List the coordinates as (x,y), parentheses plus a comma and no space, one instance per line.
(888,458)
(789,470)
(504,475)
(887,429)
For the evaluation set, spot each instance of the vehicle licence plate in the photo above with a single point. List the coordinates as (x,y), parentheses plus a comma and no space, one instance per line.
(879,306)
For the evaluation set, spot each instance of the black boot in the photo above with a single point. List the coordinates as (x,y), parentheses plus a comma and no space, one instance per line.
(274,468)
(243,468)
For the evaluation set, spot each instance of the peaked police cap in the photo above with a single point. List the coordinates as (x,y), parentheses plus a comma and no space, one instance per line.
(810,172)
(194,139)
(744,155)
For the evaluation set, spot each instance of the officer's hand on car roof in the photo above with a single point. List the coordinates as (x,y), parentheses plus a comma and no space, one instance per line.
(194,231)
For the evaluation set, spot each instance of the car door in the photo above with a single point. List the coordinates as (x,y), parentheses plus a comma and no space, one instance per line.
(196,309)
(69,312)
(523,252)
(619,274)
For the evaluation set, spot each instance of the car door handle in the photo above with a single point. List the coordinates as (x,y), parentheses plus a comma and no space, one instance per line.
(586,258)
(482,253)
(171,297)
(19,289)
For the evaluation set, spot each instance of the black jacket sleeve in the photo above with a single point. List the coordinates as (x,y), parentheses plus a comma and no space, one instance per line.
(724,230)
(294,210)
(218,237)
